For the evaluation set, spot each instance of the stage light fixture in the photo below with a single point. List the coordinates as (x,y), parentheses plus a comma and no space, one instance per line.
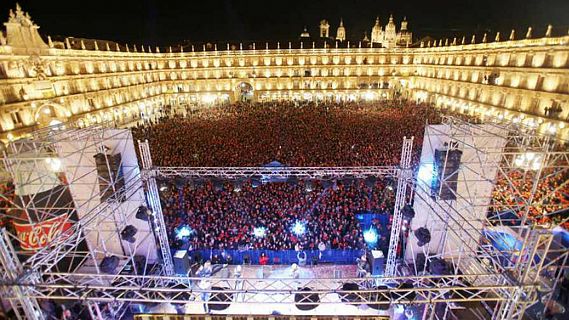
(408,212)
(259,232)
(426,173)
(128,233)
(143,213)
(370,236)
(423,236)
(183,231)
(299,228)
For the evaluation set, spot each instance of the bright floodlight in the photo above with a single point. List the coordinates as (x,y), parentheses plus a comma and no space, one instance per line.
(208,98)
(529,161)
(54,164)
(183,231)
(260,232)
(369,96)
(370,236)
(299,228)
(426,173)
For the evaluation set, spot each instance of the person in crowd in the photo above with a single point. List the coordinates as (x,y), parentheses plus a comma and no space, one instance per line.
(264,259)
(301,256)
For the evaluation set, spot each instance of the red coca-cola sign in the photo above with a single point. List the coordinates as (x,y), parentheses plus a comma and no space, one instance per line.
(39,235)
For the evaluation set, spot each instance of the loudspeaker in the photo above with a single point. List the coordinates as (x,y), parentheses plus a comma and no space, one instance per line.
(302,298)
(110,176)
(109,264)
(420,262)
(445,167)
(376,260)
(181,262)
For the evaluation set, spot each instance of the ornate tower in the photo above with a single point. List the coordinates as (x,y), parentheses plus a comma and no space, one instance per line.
(390,36)
(404,35)
(376,32)
(324,29)
(341,32)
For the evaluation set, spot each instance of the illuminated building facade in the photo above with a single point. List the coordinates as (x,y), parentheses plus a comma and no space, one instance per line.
(85,82)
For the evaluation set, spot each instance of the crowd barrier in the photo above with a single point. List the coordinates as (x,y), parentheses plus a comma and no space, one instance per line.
(277,257)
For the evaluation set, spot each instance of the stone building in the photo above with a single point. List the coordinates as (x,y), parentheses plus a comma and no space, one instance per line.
(44,83)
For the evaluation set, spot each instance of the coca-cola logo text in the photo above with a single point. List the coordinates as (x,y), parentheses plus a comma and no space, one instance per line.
(39,235)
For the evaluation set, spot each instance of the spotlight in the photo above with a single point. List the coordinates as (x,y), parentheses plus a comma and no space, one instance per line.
(143,213)
(423,236)
(183,231)
(408,212)
(299,228)
(260,232)
(426,173)
(128,233)
(370,236)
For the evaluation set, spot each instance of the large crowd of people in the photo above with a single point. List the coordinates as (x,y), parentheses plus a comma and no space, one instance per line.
(295,134)
(298,134)
(549,202)
(225,218)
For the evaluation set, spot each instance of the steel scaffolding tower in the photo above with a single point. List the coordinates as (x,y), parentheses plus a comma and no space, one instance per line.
(512,288)
(404,178)
(154,201)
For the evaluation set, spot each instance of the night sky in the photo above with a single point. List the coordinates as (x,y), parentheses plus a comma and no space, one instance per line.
(155,22)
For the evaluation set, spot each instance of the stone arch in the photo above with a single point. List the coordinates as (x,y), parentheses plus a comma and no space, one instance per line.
(51,113)
(244,91)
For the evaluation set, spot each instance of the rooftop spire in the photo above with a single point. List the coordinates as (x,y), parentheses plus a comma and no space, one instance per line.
(549,29)
(497,39)
(512,35)
(528,34)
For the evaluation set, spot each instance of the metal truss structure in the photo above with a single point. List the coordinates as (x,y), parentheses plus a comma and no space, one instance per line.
(522,202)
(56,178)
(184,290)
(404,179)
(480,274)
(229,173)
(154,201)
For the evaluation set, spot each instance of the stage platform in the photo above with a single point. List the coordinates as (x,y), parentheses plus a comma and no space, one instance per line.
(261,303)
